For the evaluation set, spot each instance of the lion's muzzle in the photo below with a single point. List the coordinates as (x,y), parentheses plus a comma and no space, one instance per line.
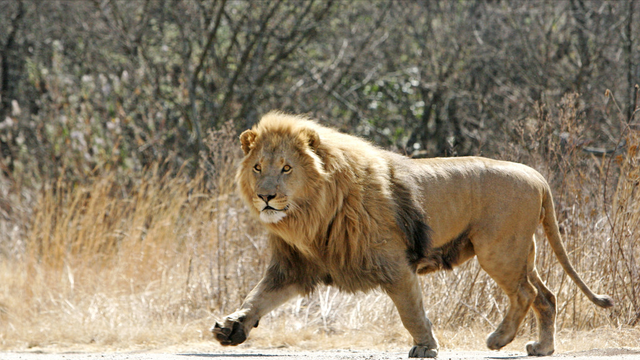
(266,198)
(272,208)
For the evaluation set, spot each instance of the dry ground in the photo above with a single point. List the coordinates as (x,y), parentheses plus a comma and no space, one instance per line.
(279,354)
(466,344)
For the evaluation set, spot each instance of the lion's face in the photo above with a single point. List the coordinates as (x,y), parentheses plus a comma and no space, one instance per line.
(274,175)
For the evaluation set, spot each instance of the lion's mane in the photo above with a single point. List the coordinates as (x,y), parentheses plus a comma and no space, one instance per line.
(355,199)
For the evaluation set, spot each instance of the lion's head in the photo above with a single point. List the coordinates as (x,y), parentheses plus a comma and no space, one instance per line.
(281,167)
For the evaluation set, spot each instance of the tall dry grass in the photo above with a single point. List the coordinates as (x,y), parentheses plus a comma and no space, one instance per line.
(153,259)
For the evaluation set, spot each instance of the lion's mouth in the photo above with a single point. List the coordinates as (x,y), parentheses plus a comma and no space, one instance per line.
(269,214)
(270,208)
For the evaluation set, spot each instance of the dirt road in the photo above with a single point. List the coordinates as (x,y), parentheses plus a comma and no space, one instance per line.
(605,354)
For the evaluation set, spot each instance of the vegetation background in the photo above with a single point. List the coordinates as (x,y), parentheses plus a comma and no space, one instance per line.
(119,224)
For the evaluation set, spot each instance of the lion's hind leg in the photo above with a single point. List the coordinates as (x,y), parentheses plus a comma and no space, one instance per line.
(520,298)
(544,307)
(510,273)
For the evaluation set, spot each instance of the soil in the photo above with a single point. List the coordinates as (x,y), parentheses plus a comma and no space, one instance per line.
(275,354)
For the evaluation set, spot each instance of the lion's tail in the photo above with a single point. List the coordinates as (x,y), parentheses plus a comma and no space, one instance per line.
(550,224)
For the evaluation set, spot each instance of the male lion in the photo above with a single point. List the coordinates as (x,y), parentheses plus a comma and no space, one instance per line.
(341,211)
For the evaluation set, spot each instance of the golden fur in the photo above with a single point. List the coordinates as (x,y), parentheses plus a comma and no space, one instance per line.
(341,211)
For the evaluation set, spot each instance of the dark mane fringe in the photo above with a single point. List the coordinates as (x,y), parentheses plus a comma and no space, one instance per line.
(411,219)
(289,266)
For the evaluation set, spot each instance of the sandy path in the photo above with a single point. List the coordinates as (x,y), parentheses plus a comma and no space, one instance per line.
(604,354)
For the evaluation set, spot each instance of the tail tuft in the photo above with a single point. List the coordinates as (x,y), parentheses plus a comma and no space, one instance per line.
(604,301)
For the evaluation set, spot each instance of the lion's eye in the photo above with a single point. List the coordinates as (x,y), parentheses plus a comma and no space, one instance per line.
(257,168)
(286,169)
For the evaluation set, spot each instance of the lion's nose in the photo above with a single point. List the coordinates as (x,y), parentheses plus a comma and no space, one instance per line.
(266,198)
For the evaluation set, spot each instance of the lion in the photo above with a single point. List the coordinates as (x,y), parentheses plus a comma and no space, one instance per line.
(343,212)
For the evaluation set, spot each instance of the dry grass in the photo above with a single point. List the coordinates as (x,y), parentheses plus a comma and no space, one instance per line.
(149,261)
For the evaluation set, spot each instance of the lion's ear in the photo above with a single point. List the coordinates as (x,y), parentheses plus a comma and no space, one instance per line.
(311,137)
(247,140)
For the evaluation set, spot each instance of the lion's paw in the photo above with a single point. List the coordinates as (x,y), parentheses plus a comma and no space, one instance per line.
(497,340)
(536,349)
(230,331)
(422,352)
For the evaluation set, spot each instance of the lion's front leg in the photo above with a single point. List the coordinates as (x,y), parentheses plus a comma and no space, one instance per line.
(266,296)
(407,296)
